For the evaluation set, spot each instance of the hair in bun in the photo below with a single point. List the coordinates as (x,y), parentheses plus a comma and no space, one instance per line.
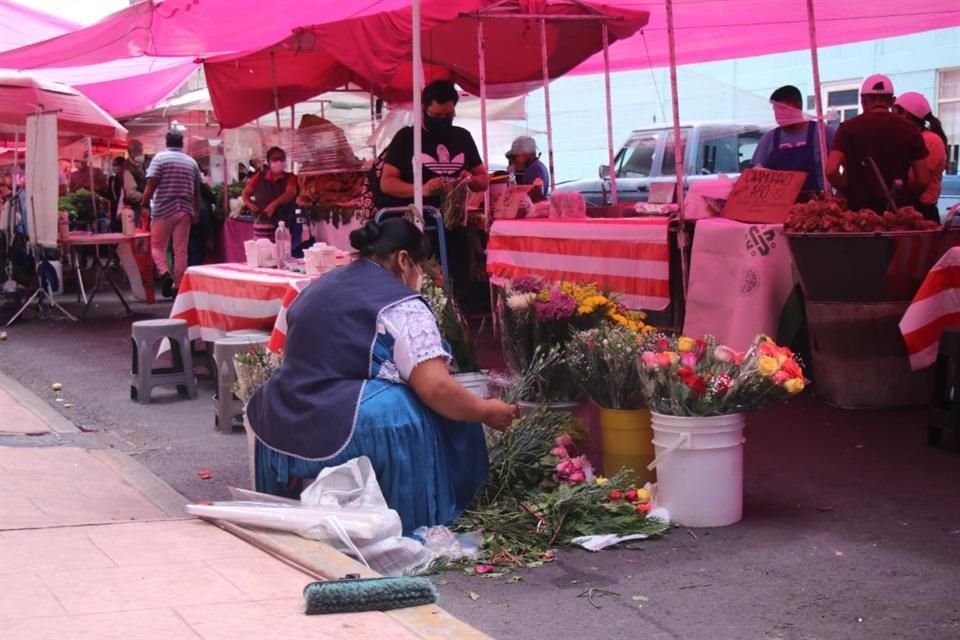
(363,238)
(383,239)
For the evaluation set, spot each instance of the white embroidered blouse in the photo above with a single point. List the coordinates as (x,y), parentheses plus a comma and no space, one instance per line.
(416,339)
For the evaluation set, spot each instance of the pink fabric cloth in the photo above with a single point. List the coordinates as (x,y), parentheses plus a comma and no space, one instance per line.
(324,57)
(162,230)
(120,87)
(21,94)
(20,25)
(235,233)
(708,30)
(189,28)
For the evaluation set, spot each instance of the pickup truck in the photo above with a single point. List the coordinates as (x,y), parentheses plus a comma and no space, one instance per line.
(647,157)
(949,194)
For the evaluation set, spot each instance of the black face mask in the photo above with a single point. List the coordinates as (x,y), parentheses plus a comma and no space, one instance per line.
(437,125)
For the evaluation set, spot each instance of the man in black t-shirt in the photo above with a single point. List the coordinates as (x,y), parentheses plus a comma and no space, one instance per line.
(449,153)
(876,138)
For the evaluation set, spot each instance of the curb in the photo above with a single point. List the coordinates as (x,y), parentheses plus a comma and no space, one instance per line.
(428,622)
(311,557)
(37,406)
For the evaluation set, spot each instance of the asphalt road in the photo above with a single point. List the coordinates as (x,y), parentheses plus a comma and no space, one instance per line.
(851,527)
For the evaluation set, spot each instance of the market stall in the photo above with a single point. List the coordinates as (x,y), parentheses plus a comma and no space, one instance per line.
(859,272)
(215,299)
(629,257)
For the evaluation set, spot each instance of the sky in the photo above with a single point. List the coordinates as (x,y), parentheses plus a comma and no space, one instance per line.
(81,11)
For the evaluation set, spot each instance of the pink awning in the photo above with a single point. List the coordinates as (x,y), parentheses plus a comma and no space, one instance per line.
(708,30)
(121,87)
(23,94)
(323,57)
(189,28)
(20,25)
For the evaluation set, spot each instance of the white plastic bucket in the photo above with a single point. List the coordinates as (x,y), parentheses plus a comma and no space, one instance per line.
(476,383)
(699,467)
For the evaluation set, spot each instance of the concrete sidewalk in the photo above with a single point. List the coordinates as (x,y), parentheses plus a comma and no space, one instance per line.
(92,545)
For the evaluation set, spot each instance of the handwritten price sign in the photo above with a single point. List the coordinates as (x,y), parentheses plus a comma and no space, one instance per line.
(763,195)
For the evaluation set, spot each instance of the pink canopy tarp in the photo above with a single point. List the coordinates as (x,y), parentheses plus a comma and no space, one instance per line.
(189,28)
(323,57)
(20,25)
(22,95)
(708,30)
(121,87)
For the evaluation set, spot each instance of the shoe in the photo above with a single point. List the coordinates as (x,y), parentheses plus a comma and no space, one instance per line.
(167,286)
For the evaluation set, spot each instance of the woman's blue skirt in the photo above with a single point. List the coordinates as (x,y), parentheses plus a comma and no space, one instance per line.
(429,468)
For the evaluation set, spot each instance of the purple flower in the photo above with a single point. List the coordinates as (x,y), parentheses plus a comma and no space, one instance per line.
(527,284)
(559,306)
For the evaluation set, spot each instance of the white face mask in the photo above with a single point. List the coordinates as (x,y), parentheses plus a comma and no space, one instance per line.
(785,115)
(277,166)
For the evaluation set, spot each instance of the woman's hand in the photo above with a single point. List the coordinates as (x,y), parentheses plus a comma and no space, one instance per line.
(499,415)
(433,186)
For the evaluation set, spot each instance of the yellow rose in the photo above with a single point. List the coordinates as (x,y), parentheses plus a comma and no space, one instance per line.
(686,344)
(767,366)
(643,495)
(600,480)
(674,358)
(585,310)
(794,385)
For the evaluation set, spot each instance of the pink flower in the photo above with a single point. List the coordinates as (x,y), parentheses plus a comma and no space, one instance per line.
(649,359)
(484,568)
(780,377)
(565,468)
(663,360)
(564,440)
(725,354)
(576,477)
(560,452)
(688,359)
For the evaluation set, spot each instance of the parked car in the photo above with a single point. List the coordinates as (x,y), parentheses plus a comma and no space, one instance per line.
(949,194)
(647,157)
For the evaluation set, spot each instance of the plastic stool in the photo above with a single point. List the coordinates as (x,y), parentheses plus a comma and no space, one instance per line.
(227,406)
(944,428)
(145,335)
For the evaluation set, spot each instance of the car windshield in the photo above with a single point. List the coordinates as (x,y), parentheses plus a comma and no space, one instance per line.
(636,160)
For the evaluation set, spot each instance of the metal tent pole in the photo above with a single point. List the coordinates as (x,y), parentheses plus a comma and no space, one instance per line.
(546,100)
(818,93)
(482,55)
(93,186)
(417,110)
(677,145)
(276,90)
(606,83)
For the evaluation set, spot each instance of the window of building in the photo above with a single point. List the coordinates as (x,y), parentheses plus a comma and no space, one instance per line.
(948,110)
(841,101)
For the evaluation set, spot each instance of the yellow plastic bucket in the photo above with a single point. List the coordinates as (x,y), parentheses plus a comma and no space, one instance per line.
(626,440)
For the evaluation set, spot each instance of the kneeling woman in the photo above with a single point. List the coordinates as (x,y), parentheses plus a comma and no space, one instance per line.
(365,373)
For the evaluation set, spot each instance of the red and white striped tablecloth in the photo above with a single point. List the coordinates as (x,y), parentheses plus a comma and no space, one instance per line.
(935,307)
(629,257)
(215,299)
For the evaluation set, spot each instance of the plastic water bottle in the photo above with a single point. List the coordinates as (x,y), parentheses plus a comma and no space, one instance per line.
(282,241)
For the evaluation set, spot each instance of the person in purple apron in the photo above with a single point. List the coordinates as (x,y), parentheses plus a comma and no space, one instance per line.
(365,374)
(794,144)
(270,196)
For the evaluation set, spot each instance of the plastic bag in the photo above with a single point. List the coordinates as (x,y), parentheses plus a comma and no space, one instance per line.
(344,507)
(567,205)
